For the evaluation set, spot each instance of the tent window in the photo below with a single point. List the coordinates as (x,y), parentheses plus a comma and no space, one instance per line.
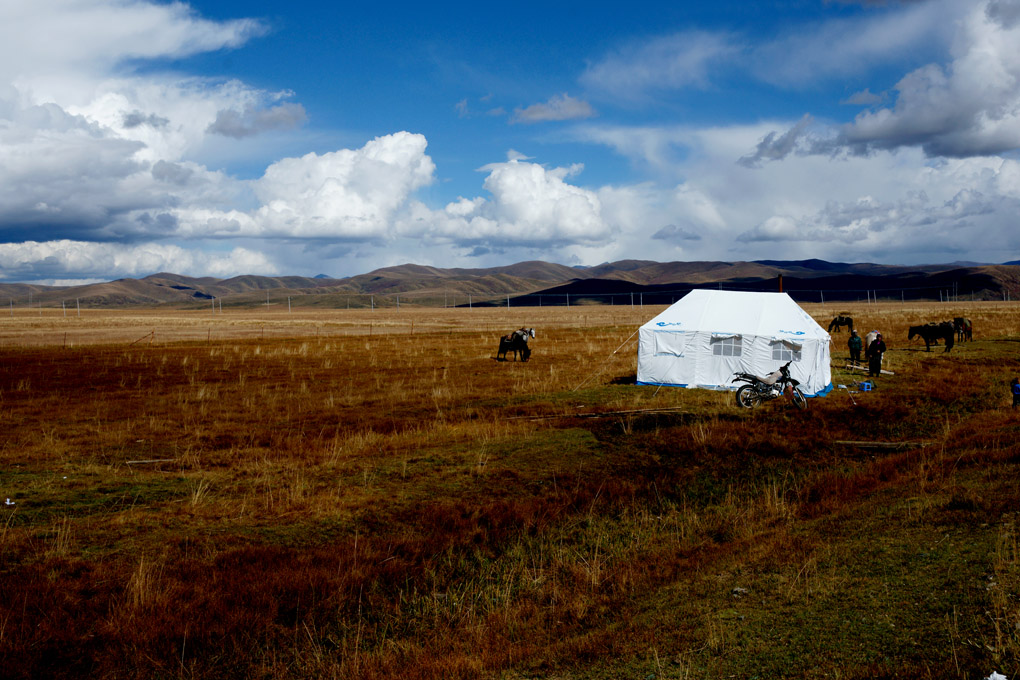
(671,343)
(783,352)
(727,347)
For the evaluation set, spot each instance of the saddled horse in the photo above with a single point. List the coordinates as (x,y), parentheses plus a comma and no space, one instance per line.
(931,333)
(964,330)
(843,319)
(516,342)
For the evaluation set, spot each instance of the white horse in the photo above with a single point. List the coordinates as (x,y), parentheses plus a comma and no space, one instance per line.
(516,342)
(870,338)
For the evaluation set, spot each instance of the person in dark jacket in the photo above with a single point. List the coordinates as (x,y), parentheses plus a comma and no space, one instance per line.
(874,353)
(855,344)
(1014,387)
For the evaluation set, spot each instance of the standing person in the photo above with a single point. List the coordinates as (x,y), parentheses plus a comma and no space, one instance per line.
(855,344)
(874,353)
(1014,387)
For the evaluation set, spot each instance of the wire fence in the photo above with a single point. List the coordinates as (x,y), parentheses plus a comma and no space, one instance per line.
(648,296)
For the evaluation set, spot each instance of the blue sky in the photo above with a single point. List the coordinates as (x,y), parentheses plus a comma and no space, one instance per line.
(225,138)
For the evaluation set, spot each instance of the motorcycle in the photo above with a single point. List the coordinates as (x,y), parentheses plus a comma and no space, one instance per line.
(759,390)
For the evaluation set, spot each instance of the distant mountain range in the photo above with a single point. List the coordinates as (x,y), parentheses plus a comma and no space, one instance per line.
(537,282)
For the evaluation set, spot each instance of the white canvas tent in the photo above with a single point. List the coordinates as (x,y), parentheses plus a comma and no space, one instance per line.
(708,335)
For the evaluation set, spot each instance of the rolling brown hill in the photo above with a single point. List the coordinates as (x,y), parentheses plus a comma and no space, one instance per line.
(412,283)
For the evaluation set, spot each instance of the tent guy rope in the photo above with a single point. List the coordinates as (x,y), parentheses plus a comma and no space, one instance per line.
(599,370)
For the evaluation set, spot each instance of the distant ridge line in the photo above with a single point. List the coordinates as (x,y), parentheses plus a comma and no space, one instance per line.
(538,282)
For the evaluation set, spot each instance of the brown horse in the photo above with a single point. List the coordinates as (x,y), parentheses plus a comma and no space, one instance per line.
(931,333)
(838,322)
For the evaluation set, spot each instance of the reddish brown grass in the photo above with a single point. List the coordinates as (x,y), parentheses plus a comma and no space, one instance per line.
(335,502)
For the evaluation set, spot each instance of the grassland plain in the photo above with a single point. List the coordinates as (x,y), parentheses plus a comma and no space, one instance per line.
(358,494)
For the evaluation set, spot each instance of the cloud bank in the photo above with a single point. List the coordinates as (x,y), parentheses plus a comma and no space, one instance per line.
(76,260)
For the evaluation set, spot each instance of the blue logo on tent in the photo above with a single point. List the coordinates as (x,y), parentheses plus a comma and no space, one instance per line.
(668,323)
(793,332)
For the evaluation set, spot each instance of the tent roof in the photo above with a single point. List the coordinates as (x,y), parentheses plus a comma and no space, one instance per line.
(741,313)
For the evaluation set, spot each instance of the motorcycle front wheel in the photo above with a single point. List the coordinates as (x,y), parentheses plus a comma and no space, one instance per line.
(799,400)
(748,397)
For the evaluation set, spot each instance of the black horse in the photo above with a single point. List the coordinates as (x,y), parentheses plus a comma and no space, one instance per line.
(843,319)
(964,330)
(516,342)
(931,333)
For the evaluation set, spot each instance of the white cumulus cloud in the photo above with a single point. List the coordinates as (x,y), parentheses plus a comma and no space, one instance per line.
(968,107)
(529,205)
(346,194)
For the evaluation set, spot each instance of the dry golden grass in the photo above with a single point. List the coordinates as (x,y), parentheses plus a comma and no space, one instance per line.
(370,494)
(159,326)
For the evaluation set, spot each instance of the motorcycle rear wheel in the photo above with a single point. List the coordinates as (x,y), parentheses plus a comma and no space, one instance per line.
(748,397)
